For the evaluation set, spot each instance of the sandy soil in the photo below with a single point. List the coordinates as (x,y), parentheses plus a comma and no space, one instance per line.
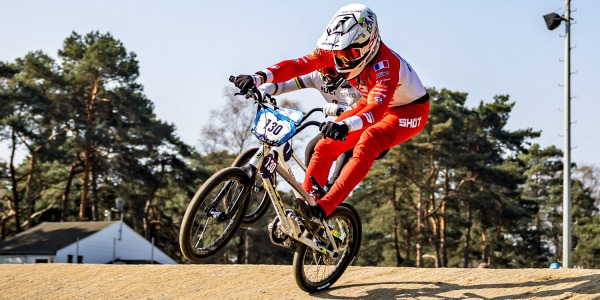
(64,281)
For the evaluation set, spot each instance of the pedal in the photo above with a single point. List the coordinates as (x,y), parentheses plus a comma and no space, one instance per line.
(304,217)
(296,224)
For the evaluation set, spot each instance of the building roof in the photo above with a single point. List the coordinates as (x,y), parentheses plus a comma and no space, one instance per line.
(49,237)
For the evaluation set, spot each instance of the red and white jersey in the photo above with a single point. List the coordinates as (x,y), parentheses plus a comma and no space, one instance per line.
(345,94)
(387,81)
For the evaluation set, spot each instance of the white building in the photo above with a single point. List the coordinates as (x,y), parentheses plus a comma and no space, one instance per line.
(81,242)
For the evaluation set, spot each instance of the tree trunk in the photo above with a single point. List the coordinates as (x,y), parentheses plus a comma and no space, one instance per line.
(147,219)
(418,254)
(434,240)
(484,248)
(468,236)
(13,179)
(65,196)
(408,239)
(3,221)
(87,151)
(28,199)
(151,219)
(443,248)
(2,230)
(399,259)
(94,197)
(86,180)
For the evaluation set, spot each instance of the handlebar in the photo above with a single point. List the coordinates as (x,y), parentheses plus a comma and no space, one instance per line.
(253,93)
(307,124)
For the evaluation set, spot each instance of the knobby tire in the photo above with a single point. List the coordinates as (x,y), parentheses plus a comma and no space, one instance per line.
(311,271)
(203,233)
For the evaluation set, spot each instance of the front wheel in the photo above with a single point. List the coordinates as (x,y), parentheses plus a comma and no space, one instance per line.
(315,271)
(214,214)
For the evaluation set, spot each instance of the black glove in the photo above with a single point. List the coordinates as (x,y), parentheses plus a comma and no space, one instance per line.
(244,83)
(335,130)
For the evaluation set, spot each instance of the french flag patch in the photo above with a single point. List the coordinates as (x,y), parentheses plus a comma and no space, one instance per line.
(381,65)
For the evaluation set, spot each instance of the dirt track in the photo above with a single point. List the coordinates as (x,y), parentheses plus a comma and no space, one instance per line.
(63,281)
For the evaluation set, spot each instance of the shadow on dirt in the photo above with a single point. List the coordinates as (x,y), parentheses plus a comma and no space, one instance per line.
(585,285)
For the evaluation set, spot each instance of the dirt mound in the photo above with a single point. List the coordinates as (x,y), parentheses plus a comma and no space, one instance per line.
(67,281)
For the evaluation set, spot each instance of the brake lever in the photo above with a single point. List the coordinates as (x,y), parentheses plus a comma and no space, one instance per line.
(252,93)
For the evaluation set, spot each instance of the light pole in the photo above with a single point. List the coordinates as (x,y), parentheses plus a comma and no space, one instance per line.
(553,20)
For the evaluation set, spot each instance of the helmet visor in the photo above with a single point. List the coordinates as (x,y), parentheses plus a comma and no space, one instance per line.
(347,56)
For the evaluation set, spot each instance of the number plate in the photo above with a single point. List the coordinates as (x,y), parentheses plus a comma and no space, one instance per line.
(273,127)
(269,165)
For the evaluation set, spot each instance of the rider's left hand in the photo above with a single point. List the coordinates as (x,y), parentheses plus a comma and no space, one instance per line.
(333,109)
(335,130)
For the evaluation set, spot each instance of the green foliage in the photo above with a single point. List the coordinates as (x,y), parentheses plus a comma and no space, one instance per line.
(90,137)
(465,191)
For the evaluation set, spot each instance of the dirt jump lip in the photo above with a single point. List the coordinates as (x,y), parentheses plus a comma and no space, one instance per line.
(88,281)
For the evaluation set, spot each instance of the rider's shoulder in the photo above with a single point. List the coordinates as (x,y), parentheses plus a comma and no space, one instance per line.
(385,58)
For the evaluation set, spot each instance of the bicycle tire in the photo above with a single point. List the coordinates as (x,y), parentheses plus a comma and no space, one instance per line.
(359,221)
(219,224)
(309,263)
(258,204)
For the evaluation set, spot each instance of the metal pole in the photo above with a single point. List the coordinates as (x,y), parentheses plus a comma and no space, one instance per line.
(121,227)
(114,249)
(567,257)
(77,251)
(152,252)
(246,246)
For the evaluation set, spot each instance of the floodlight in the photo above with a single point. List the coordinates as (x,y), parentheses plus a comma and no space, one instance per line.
(553,20)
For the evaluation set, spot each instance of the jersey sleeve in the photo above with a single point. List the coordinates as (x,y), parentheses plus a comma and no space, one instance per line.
(288,69)
(294,84)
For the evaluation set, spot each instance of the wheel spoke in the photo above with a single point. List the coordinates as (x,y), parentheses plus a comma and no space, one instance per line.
(214,214)
(314,270)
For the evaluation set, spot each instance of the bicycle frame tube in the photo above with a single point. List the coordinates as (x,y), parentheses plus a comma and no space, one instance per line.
(290,226)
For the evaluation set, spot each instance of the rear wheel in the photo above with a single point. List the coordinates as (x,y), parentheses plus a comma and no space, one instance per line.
(315,271)
(214,214)
(258,204)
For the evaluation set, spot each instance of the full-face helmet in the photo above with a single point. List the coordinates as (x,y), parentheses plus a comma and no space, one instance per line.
(353,37)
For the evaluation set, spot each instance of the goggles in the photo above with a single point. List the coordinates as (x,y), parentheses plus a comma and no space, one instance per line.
(329,75)
(331,79)
(347,56)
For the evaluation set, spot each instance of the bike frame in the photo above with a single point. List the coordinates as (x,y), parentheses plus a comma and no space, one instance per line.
(283,169)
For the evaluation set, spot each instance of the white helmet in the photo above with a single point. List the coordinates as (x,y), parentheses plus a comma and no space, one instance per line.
(353,37)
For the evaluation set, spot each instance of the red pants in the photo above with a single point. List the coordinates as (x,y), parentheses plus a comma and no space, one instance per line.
(397,126)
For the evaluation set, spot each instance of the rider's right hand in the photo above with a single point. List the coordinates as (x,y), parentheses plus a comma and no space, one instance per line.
(335,130)
(247,82)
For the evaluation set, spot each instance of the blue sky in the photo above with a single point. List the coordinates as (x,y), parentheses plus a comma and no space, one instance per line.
(188,49)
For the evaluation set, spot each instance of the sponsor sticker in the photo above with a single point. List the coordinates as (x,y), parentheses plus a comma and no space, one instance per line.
(410,123)
(380,74)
